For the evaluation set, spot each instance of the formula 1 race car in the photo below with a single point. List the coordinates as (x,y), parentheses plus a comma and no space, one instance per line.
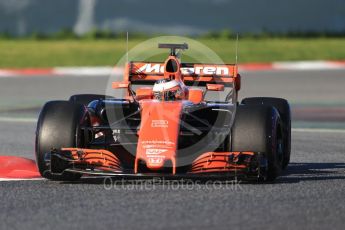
(165,126)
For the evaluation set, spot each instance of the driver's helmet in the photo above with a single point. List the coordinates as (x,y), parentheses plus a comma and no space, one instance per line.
(167,90)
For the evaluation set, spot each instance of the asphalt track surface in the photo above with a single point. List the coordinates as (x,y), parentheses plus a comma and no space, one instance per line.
(309,195)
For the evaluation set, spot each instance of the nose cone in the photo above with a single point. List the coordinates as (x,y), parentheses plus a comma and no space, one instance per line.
(158,135)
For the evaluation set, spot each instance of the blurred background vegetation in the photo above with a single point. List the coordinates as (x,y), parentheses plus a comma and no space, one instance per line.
(105,48)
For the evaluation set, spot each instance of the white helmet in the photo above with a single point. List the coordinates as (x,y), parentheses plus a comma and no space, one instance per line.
(167,90)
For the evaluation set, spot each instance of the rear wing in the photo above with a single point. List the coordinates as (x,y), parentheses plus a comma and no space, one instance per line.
(192,74)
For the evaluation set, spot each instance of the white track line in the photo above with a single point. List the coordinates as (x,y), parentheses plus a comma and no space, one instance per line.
(18,119)
(21,179)
(312,130)
(308,65)
(88,71)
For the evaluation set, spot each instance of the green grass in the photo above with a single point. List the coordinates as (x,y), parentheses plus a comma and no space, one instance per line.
(49,53)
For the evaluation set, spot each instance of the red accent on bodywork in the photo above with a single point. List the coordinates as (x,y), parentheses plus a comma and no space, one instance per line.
(158,134)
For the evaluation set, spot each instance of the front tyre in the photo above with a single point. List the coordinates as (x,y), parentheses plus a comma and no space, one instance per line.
(283,108)
(257,128)
(58,126)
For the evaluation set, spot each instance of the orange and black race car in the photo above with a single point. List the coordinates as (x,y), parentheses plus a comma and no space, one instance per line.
(166,126)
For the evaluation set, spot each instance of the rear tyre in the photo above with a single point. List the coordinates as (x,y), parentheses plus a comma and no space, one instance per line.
(283,108)
(58,126)
(85,99)
(257,128)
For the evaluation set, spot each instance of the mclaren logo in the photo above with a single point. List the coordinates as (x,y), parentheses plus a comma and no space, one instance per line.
(197,69)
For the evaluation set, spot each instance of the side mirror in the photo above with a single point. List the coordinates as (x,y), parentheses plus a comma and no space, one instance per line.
(215,87)
(120,85)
